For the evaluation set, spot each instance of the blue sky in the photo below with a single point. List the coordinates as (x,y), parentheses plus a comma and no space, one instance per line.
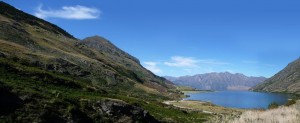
(186,37)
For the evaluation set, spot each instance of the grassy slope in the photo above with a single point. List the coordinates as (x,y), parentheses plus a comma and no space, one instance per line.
(38,91)
(46,74)
(285,81)
(38,41)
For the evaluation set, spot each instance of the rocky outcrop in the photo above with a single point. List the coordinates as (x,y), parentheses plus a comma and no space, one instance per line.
(9,101)
(106,111)
(118,111)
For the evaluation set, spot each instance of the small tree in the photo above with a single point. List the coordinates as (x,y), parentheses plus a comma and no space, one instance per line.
(273,105)
(290,102)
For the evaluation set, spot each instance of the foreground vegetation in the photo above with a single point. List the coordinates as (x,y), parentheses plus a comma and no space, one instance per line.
(31,94)
(282,114)
(219,113)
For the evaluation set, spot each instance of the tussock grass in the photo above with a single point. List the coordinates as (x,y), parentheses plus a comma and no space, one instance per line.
(282,114)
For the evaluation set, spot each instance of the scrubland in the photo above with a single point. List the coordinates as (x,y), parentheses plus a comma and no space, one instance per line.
(282,114)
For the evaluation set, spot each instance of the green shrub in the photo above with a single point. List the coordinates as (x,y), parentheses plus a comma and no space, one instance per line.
(290,102)
(273,105)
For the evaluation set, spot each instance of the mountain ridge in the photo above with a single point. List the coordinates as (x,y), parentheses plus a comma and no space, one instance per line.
(218,81)
(285,81)
(104,45)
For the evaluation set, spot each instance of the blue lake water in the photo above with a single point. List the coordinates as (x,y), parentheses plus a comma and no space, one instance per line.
(239,99)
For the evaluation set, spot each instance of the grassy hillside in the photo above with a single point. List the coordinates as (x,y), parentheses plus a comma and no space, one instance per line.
(30,94)
(285,81)
(48,47)
(47,75)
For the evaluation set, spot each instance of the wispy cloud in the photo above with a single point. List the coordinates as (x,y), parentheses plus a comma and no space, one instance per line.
(152,66)
(182,65)
(178,61)
(68,12)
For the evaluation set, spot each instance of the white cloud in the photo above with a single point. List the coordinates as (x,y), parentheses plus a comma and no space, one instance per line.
(69,12)
(181,65)
(152,66)
(178,61)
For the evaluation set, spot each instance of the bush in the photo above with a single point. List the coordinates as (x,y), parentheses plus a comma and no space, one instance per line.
(290,102)
(273,105)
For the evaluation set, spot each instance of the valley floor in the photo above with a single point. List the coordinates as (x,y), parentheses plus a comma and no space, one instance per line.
(219,113)
(282,114)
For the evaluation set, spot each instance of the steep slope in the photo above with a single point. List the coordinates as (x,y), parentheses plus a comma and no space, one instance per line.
(218,81)
(286,81)
(47,75)
(125,61)
(49,47)
(103,45)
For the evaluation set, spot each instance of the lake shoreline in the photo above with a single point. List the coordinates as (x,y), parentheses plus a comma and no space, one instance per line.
(197,91)
(246,99)
(218,113)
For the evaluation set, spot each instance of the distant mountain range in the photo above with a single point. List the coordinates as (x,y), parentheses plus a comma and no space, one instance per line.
(286,81)
(218,81)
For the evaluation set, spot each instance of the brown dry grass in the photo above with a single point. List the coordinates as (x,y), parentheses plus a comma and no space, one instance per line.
(145,88)
(220,114)
(282,114)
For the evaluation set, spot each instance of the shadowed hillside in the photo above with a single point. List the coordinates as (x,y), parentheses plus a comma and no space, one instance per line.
(286,81)
(47,75)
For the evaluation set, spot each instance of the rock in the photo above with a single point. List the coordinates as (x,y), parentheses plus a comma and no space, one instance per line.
(120,111)
(9,101)
(2,55)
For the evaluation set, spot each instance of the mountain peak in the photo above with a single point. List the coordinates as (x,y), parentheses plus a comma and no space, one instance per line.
(103,45)
(98,40)
(218,81)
